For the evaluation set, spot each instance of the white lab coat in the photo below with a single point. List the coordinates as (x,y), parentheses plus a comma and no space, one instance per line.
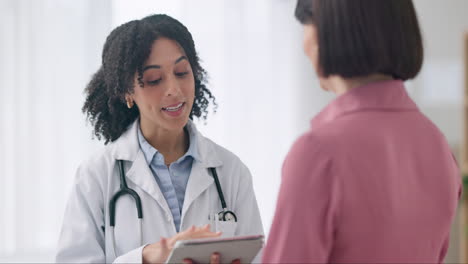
(85,235)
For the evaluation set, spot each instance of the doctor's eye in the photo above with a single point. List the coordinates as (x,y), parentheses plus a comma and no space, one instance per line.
(181,74)
(154,82)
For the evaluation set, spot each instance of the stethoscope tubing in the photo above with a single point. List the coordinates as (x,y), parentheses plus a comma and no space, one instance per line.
(125,190)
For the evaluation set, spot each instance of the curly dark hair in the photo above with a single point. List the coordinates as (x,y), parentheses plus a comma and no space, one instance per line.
(126,49)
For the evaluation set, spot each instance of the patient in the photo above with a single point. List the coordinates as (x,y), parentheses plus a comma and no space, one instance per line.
(373,180)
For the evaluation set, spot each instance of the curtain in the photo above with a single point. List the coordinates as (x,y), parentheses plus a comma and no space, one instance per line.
(48,51)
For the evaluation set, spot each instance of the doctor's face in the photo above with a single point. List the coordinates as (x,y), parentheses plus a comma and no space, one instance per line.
(165,101)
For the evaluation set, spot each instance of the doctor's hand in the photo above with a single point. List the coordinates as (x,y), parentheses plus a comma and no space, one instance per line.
(159,252)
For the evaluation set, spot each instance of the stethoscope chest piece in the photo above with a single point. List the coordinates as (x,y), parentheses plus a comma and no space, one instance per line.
(228,216)
(225,214)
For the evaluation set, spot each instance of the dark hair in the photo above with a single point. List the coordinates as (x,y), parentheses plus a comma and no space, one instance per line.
(124,53)
(362,37)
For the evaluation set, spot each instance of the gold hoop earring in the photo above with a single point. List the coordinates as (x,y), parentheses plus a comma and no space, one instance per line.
(130,104)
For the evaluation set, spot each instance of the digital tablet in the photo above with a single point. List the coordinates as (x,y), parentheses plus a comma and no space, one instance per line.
(244,248)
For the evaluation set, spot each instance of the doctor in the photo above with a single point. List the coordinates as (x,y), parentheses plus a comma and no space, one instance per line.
(158,175)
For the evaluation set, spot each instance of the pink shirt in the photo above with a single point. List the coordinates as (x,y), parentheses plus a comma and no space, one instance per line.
(373,181)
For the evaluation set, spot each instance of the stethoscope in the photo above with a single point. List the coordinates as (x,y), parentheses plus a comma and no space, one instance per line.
(224,215)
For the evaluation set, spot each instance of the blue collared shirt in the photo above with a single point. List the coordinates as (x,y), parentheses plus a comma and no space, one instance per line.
(172,180)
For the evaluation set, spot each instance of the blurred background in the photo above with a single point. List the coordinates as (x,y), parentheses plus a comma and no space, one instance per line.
(264,85)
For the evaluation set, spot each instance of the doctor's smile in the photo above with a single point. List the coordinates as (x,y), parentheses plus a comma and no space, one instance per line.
(174,107)
(174,110)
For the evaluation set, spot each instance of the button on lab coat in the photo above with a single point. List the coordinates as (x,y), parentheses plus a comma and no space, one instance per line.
(85,236)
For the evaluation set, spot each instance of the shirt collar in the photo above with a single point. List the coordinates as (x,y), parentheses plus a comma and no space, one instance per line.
(383,95)
(149,151)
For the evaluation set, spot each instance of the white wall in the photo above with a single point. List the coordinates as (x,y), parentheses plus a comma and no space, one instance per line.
(48,50)
(440,84)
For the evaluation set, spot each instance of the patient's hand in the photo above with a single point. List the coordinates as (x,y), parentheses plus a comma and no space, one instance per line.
(159,252)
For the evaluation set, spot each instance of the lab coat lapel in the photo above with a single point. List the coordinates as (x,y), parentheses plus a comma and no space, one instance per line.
(127,148)
(200,178)
(142,176)
(198,182)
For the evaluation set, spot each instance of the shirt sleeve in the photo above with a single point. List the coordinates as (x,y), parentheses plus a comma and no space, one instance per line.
(134,256)
(304,222)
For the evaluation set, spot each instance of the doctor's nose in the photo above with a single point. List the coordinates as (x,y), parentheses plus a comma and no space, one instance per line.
(173,87)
